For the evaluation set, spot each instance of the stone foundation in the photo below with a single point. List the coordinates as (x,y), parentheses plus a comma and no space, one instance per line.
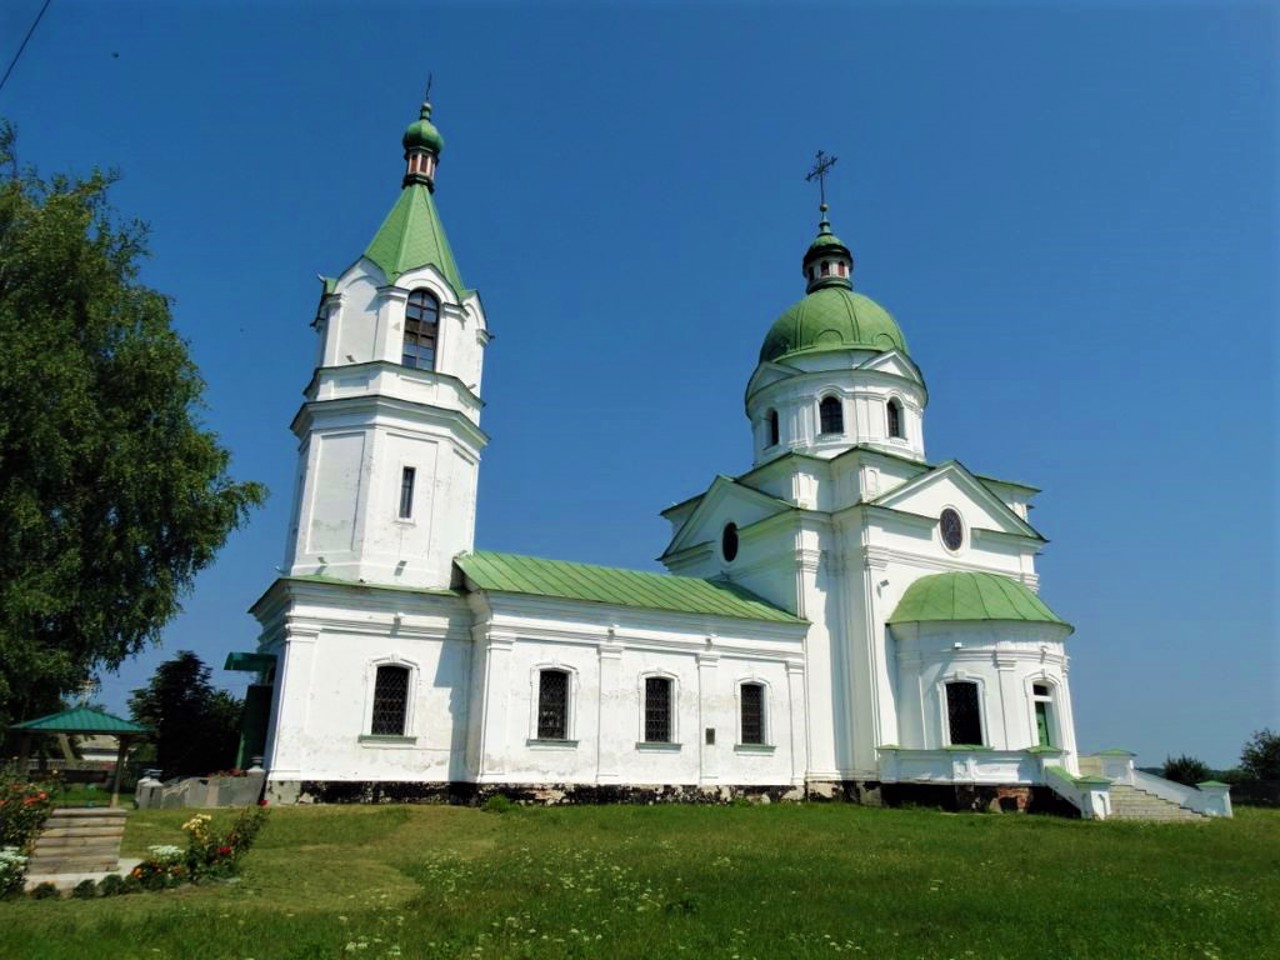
(958,797)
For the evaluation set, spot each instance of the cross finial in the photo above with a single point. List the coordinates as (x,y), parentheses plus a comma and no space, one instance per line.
(822,163)
(427,96)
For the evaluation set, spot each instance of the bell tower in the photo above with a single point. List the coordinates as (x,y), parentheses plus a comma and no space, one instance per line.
(389,434)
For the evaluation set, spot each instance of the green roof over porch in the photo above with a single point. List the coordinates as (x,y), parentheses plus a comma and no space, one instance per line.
(971,595)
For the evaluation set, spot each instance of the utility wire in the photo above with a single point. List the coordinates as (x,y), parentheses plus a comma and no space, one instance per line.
(14,62)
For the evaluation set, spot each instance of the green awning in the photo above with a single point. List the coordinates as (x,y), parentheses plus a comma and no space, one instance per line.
(249,662)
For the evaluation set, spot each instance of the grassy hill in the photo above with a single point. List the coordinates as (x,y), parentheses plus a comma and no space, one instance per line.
(708,882)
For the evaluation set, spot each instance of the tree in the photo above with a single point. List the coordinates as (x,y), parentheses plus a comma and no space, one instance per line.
(1260,758)
(196,729)
(1185,769)
(112,495)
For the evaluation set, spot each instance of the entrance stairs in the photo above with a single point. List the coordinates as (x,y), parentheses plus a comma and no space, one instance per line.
(76,840)
(1132,803)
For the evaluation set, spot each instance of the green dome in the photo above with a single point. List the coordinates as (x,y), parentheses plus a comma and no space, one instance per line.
(422,133)
(971,595)
(832,318)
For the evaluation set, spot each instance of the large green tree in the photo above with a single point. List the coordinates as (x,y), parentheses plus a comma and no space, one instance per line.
(1260,758)
(195,728)
(112,494)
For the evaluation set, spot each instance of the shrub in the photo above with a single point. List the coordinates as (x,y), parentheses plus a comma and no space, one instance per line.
(1185,769)
(13,871)
(85,890)
(209,855)
(498,803)
(112,885)
(24,807)
(1260,758)
(44,891)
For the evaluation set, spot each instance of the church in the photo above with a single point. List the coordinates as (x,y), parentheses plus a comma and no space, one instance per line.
(845,619)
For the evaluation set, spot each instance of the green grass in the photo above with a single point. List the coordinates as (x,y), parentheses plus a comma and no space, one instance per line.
(653,882)
(88,794)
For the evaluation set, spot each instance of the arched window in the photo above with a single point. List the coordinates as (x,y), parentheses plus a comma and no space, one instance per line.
(894,410)
(831,415)
(421,325)
(390,701)
(963,713)
(751,707)
(774,433)
(553,705)
(657,709)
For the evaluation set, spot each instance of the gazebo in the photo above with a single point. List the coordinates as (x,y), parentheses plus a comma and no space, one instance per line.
(84,721)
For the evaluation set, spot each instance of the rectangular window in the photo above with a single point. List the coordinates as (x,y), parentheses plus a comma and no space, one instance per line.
(553,705)
(963,713)
(752,712)
(390,702)
(657,710)
(407,476)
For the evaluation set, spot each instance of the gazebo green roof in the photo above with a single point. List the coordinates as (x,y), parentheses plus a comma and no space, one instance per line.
(971,595)
(85,720)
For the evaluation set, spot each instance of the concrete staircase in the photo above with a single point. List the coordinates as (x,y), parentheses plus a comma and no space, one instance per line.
(76,840)
(1131,803)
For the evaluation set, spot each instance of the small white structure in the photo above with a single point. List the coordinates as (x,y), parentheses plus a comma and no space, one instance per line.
(845,618)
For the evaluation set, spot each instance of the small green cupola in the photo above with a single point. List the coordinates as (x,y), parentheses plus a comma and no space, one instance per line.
(423,145)
(827,262)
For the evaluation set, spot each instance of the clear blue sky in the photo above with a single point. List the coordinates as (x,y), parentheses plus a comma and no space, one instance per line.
(1070,209)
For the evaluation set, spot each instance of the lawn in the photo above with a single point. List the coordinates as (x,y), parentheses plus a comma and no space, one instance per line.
(708,882)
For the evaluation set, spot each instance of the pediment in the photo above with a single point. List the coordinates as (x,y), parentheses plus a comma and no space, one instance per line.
(726,501)
(952,485)
(894,363)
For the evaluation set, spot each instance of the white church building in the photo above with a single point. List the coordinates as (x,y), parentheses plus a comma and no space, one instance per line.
(846,618)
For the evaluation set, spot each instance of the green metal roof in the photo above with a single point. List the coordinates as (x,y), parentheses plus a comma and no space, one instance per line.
(422,133)
(241,661)
(80,720)
(969,595)
(510,573)
(832,318)
(412,236)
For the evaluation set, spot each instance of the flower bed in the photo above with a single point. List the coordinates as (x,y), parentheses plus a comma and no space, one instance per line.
(24,807)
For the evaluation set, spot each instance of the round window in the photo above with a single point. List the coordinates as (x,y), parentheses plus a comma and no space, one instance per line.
(952,529)
(729,542)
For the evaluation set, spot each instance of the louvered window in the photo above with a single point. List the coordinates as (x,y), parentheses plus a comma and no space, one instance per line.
(963,713)
(553,705)
(421,325)
(390,701)
(752,695)
(657,710)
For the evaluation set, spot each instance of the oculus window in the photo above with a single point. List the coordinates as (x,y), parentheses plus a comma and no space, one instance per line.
(421,327)
(729,542)
(951,527)
(390,701)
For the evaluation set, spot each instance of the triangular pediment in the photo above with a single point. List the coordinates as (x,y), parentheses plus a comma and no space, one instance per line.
(894,363)
(726,501)
(951,485)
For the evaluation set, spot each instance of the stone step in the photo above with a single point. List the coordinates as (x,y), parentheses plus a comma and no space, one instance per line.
(49,844)
(82,813)
(86,864)
(1134,803)
(106,830)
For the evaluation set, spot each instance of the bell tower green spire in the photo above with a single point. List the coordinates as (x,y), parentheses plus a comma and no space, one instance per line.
(412,235)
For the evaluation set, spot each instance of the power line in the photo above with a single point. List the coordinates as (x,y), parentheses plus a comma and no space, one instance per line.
(14,62)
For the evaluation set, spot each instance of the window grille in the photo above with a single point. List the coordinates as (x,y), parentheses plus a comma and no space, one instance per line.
(963,713)
(406,492)
(657,710)
(831,415)
(421,324)
(752,712)
(390,701)
(553,705)
(895,419)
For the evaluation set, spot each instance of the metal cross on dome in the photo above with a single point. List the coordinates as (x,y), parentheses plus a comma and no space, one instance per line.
(821,165)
